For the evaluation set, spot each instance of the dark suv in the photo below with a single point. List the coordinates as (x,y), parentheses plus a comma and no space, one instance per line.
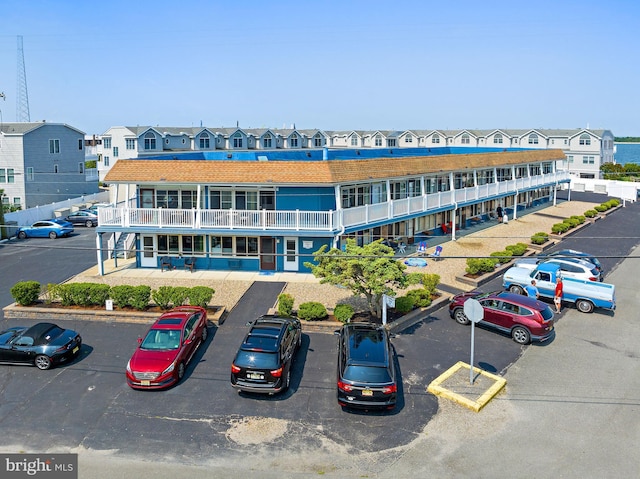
(366,369)
(263,362)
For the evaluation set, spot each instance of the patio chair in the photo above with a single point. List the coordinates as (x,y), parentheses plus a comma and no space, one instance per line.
(402,248)
(190,263)
(165,262)
(422,248)
(436,254)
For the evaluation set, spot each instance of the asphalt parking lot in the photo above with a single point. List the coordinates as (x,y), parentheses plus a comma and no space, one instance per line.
(87,405)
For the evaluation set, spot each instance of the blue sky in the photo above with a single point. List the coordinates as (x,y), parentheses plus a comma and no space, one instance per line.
(328,64)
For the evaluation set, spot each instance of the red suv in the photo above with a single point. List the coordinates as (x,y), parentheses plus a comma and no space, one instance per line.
(523,318)
(161,358)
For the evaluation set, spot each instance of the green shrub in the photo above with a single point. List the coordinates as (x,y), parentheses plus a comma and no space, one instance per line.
(421,298)
(404,304)
(83,294)
(343,312)
(502,256)
(312,311)
(163,296)
(121,295)
(200,296)
(179,295)
(480,265)
(139,298)
(600,208)
(560,228)
(540,238)
(97,294)
(430,281)
(572,222)
(285,305)
(614,202)
(580,218)
(590,213)
(517,249)
(25,292)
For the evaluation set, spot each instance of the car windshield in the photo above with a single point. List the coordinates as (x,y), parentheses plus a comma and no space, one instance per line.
(161,339)
(257,360)
(367,374)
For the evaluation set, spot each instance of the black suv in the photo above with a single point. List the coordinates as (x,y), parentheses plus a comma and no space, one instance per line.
(366,369)
(263,362)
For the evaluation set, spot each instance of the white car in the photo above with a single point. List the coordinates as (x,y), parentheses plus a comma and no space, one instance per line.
(570,267)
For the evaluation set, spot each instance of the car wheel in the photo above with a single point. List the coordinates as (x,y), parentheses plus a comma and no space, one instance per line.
(22,235)
(460,317)
(89,224)
(514,288)
(520,335)
(42,362)
(205,333)
(287,380)
(299,341)
(181,370)
(584,306)
(53,235)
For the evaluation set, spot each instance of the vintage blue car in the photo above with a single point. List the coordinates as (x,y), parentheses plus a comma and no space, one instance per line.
(53,229)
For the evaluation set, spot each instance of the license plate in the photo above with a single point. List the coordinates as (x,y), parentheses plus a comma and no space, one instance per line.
(255,375)
(76,349)
(367,392)
(145,383)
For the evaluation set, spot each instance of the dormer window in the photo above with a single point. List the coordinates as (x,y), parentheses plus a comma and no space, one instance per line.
(585,140)
(378,140)
(465,140)
(435,139)
(533,139)
(204,141)
(293,141)
(267,141)
(497,139)
(237,140)
(149,141)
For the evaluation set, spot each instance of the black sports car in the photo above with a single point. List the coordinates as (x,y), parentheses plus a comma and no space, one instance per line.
(43,344)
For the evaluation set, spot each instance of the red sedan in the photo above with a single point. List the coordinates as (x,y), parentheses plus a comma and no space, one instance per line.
(523,318)
(161,358)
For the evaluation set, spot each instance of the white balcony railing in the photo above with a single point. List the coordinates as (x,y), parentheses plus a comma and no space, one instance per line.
(329,221)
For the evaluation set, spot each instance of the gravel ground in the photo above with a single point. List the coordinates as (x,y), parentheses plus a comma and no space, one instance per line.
(479,244)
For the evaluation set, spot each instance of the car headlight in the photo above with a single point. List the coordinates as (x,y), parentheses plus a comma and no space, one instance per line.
(129,367)
(169,369)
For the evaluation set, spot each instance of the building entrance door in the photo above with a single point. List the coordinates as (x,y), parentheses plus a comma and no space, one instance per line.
(267,254)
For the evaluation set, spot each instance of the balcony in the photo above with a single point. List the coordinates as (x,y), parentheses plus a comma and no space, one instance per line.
(316,221)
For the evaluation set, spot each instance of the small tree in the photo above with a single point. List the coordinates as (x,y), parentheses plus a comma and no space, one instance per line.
(368,270)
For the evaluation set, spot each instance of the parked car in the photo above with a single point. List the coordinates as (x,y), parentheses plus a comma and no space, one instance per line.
(83,217)
(94,208)
(366,367)
(569,267)
(43,345)
(264,360)
(523,318)
(53,229)
(161,358)
(572,253)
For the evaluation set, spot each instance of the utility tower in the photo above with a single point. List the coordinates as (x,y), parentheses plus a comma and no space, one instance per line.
(22,98)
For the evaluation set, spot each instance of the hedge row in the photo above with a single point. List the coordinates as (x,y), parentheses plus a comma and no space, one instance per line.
(486,265)
(26,293)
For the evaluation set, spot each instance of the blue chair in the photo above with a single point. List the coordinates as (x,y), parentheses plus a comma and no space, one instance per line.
(436,254)
(422,248)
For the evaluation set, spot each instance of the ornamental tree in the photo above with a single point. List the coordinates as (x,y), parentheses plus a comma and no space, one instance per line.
(369,270)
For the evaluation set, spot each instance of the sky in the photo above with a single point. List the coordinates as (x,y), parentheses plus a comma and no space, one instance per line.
(331,65)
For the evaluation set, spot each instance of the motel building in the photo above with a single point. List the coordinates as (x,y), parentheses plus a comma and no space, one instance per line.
(269,211)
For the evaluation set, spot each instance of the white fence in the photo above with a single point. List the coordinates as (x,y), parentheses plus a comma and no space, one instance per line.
(625,190)
(45,212)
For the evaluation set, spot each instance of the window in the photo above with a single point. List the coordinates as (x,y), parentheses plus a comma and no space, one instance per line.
(378,140)
(115,152)
(166,141)
(10,177)
(184,141)
(497,139)
(80,168)
(465,140)
(266,141)
(130,143)
(3,175)
(354,140)
(408,139)
(204,141)
(167,199)
(106,161)
(54,146)
(435,139)
(391,142)
(585,140)
(533,139)
(569,159)
(80,144)
(16,201)
(247,246)
(221,245)
(149,141)
(55,168)
(106,142)
(220,200)
(237,140)
(5,200)
(293,141)
(317,141)
(189,199)
(192,245)
(588,160)
(30,173)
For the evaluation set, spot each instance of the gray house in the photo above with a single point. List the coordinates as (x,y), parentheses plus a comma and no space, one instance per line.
(42,163)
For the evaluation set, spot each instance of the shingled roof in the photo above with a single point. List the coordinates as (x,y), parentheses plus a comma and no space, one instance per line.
(312,172)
